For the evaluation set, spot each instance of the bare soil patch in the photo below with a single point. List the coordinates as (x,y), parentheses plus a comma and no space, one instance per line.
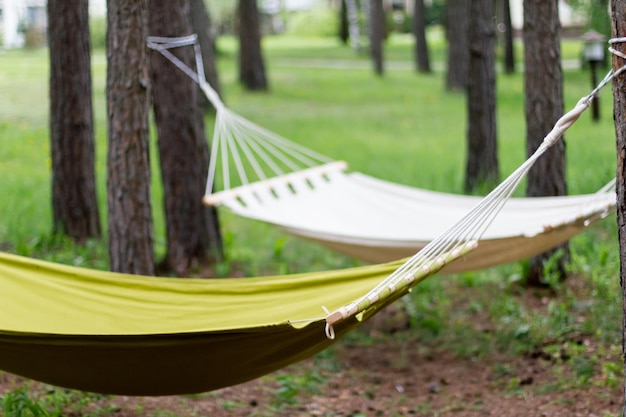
(388,377)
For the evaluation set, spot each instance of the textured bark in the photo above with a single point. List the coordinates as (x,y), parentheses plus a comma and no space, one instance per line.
(422,60)
(618,13)
(202,26)
(192,229)
(457,18)
(544,106)
(74,202)
(128,163)
(509,49)
(482,152)
(377,34)
(251,64)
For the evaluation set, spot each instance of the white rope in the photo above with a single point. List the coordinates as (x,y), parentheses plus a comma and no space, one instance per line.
(235,138)
(163,44)
(470,228)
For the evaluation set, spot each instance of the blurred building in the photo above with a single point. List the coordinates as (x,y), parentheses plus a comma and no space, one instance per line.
(18,17)
(24,22)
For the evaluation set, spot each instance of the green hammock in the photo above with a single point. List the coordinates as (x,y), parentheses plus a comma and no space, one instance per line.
(124,334)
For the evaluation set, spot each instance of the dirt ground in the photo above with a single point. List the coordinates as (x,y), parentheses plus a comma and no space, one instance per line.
(386,377)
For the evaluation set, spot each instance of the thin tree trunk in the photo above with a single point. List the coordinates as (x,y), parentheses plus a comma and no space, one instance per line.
(544,106)
(344,27)
(482,152)
(353,24)
(74,201)
(422,60)
(183,148)
(128,163)
(202,26)
(377,33)
(618,13)
(251,65)
(457,18)
(509,49)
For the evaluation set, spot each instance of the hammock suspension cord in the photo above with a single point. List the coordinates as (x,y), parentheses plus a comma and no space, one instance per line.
(471,227)
(234,135)
(456,241)
(462,236)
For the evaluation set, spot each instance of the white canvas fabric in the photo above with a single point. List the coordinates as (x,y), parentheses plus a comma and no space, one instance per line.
(379,221)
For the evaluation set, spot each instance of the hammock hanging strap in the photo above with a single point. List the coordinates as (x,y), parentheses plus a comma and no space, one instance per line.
(236,139)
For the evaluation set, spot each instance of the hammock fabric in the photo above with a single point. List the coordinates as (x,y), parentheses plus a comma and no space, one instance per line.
(272,179)
(125,334)
(378,221)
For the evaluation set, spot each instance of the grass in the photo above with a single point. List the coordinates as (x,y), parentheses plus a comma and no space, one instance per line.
(372,123)
(404,128)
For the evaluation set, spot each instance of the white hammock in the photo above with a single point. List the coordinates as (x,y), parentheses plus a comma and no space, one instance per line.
(284,184)
(378,221)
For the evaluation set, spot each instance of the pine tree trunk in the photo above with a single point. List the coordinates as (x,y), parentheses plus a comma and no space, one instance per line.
(422,61)
(202,26)
(251,65)
(183,147)
(482,153)
(354,29)
(509,49)
(457,19)
(128,163)
(75,209)
(377,34)
(618,13)
(544,106)
(344,31)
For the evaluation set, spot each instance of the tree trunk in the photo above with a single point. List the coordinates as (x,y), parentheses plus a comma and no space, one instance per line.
(482,153)
(354,29)
(74,200)
(457,18)
(201,24)
(544,106)
(618,13)
(422,61)
(192,228)
(509,50)
(344,31)
(128,164)
(377,34)
(251,65)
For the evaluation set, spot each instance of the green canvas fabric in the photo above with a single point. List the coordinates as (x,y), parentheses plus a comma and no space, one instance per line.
(125,334)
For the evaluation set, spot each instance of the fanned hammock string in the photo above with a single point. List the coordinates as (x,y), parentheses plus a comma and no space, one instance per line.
(234,133)
(235,138)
